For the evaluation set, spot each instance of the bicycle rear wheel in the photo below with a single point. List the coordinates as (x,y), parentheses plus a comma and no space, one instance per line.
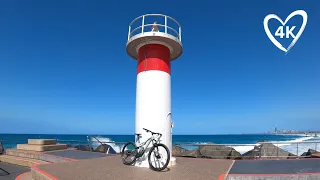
(129,150)
(159,157)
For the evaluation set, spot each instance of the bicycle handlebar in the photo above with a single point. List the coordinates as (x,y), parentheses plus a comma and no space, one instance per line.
(151,131)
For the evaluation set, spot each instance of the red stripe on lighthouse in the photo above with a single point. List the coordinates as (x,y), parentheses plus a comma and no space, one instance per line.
(154,57)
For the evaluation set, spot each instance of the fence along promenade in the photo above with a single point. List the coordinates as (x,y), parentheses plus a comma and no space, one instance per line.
(260,150)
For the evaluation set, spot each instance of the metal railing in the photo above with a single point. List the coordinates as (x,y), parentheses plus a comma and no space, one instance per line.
(85,145)
(90,144)
(177,33)
(261,150)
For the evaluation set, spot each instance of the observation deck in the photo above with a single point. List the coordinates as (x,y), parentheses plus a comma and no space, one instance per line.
(142,32)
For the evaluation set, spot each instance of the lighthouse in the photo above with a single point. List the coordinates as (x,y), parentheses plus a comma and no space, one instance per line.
(154,45)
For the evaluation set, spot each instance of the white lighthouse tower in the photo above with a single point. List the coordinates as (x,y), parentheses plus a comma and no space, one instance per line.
(154,45)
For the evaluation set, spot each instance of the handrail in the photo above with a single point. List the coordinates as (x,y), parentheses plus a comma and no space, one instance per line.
(147,25)
(96,139)
(99,142)
(61,140)
(213,144)
(146,15)
(256,148)
(87,141)
(165,25)
(178,143)
(276,149)
(5,140)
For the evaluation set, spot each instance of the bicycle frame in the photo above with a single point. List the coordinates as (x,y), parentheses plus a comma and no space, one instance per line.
(147,143)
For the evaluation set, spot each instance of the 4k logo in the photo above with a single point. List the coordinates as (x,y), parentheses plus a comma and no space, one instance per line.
(288,31)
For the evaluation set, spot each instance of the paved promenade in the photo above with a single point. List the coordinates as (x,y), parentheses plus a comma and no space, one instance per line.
(10,171)
(80,165)
(112,168)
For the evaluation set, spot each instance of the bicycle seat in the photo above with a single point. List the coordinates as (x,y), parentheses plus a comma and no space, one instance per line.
(138,134)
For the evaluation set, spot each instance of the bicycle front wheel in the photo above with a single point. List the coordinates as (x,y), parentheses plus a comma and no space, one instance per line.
(159,157)
(128,153)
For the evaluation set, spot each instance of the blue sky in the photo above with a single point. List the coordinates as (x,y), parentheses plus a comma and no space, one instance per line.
(63,65)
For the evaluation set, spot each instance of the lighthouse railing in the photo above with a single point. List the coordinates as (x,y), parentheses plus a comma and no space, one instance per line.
(176,31)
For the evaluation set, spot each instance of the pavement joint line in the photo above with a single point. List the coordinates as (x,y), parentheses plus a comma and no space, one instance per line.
(226,174)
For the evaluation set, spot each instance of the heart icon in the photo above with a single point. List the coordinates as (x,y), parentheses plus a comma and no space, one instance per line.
(273,16)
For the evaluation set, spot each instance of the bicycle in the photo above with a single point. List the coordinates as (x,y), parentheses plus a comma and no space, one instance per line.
(138,151)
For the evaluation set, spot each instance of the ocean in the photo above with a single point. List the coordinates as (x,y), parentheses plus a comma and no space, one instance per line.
(240,140)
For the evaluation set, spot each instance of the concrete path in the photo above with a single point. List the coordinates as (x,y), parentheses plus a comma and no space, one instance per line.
(112,168)
(276,166)
(80,165)
(303,169)
(13,171)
